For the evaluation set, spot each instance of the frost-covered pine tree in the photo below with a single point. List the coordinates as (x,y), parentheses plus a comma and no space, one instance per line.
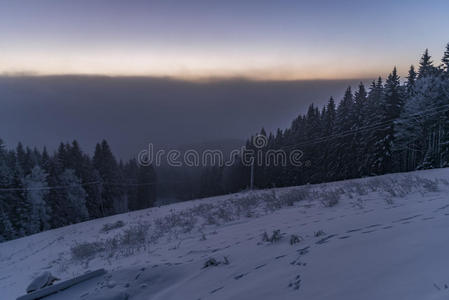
(371,117)
(391,105)
(426,67)
(111,191)
(328,129)
(411,79)
(360,101)
(36,190)
(7,231)
(74,199)
(423,128)
(344,122)
(445,60)
(7,199)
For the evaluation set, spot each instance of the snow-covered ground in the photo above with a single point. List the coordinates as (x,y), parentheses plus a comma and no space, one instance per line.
(375,238)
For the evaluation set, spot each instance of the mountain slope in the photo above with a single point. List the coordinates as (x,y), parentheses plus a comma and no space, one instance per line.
(375,238)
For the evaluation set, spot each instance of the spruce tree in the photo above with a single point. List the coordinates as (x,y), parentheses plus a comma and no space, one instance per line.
(7,198)
(425,65)
(344,123)
(329,165)
(313,145)
(445,60)
(391,106)
(372,119)
(35,185)
(411,79)
(112,190)
(74,198)
(360,102)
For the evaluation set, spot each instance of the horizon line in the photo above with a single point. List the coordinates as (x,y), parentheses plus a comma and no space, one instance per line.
(191,78)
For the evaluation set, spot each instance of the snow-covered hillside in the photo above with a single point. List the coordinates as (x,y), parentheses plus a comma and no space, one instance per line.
(375,238)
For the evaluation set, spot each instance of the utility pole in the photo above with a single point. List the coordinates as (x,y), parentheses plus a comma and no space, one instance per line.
(251,184)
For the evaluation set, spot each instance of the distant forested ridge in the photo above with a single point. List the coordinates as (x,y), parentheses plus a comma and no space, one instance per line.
(39,191)
(391,126)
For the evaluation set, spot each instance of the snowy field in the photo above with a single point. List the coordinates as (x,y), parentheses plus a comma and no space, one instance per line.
(375,238)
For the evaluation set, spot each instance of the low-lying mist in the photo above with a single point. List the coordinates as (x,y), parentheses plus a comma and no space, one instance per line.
(131,112)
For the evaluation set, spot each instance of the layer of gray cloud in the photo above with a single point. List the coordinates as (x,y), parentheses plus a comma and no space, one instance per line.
(131,112)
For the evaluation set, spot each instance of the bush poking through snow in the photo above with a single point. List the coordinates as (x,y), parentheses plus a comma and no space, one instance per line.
(274,238)
(111,226)
(331,200)
(86,250)
(389,200)
(248,205)
(265,237)
(135,235)
(319,233)
(295,239)
(125,243)
(295,195)
(212,262)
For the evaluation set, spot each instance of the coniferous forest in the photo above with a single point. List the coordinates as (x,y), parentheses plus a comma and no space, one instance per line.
(39,191)
(393,125)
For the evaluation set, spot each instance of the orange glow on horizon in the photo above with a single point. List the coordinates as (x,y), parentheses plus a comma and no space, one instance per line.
(194,67)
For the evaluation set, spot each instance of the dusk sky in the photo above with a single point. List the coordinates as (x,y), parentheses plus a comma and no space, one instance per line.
(201,38)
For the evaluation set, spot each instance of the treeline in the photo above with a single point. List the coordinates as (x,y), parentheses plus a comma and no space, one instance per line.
(391,126)
(39,191)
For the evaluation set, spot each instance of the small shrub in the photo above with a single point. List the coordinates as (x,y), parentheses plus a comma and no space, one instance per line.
(295,195)
(430,185)
(265,237)
(331,200)
(319,233)
(110,226)
(275,237)
(295,239)
(358,203)
(86,250)
(212,262)
(134,236)
(112,244)
(389,200)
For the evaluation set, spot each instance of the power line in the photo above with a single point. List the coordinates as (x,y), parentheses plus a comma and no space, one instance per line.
(372,127)
(375,126)
(61,187)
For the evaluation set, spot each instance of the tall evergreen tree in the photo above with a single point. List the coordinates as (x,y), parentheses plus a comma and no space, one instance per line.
(35,185)
(329,165)
(445,60)
(425,65)
(112,191)
(74,198)
(359,109)
(344,123)
(391,106)
(7,198)
(411,79)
